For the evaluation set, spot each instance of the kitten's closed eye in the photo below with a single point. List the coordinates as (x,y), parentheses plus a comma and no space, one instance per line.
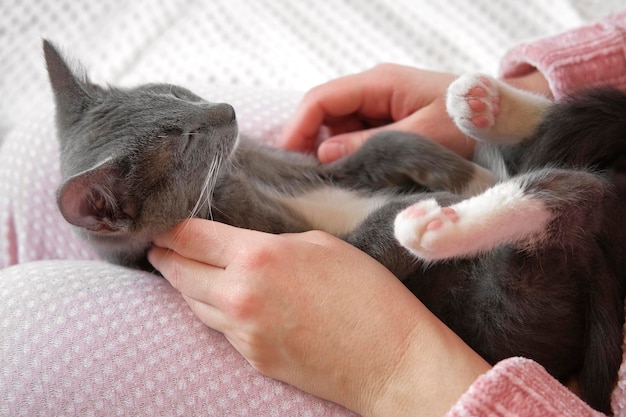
(172,132)
(183,94)
(177,137)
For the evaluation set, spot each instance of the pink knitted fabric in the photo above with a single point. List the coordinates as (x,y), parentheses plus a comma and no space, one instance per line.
(590,56)
(519,387)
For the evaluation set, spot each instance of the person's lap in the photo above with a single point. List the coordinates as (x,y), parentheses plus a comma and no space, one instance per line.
(90,338)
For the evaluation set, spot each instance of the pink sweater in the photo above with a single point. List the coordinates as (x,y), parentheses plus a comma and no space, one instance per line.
(589,56)
(585,57)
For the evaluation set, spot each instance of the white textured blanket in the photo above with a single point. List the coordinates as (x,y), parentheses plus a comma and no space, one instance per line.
(262,44)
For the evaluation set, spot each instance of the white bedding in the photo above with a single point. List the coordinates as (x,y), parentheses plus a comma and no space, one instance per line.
(262,44)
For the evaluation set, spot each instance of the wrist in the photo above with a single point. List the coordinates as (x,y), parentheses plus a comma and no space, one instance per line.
(432,372)
(534,82)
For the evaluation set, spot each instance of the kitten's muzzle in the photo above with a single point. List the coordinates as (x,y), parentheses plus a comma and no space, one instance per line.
(221,114)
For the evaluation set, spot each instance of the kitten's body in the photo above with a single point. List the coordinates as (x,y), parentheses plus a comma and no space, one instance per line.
(531,266)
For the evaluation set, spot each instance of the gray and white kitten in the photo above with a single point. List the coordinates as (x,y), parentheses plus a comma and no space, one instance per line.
(527,261)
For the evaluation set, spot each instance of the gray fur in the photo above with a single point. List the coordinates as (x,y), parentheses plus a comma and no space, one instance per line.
(135,162)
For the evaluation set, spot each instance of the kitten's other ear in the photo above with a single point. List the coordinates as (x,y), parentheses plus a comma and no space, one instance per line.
(92,199)
(71,90)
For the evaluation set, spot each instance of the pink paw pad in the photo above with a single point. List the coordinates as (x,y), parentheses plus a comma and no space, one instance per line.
(429,230)
(477,91)
(484,104)
(480,122)
(450,213)
(416,212)
(436,224)
(476,105)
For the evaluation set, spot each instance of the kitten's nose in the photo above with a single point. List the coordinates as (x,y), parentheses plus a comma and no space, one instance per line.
(222,113)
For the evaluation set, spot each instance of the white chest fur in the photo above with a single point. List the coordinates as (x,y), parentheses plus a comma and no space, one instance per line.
(334,210)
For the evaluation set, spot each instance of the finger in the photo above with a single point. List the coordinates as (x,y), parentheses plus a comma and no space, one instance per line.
(208,314)
(427,122)
(334,99)
(342,145)
(209,242)
(423,122)
(301,132)
(192,278)
(202,286)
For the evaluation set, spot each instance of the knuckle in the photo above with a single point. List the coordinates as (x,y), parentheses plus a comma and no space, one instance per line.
(244,304)
(315,94)
(263,365)
(384,67)
(255,346)
(256,266)
(260,256)
(173,271)
(316,236)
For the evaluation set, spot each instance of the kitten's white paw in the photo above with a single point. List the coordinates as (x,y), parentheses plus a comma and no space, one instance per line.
(473,102)
(503,214)
(425,228)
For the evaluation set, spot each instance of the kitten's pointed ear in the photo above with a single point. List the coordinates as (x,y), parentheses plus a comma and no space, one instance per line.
(71,90)
(92,199)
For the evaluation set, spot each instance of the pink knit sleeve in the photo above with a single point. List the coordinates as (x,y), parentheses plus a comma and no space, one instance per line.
(520,387)
(589,56)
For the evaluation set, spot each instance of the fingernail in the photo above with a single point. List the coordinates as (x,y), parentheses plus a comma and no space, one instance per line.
(332,151)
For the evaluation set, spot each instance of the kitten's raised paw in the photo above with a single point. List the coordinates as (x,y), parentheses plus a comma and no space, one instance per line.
(473,102)
(423,229)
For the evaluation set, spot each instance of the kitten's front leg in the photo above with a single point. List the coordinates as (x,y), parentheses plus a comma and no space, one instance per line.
(493,111)
(391,159)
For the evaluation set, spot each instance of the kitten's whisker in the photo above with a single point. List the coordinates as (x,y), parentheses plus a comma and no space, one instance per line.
(206,194)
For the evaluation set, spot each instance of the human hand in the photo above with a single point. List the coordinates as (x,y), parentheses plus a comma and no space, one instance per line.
(388,96)
(315,312)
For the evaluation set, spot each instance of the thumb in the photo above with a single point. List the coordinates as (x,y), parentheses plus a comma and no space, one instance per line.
(342,145)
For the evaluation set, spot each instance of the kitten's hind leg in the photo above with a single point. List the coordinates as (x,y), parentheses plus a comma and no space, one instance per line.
(554,207)
(493,111)
(500,215)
